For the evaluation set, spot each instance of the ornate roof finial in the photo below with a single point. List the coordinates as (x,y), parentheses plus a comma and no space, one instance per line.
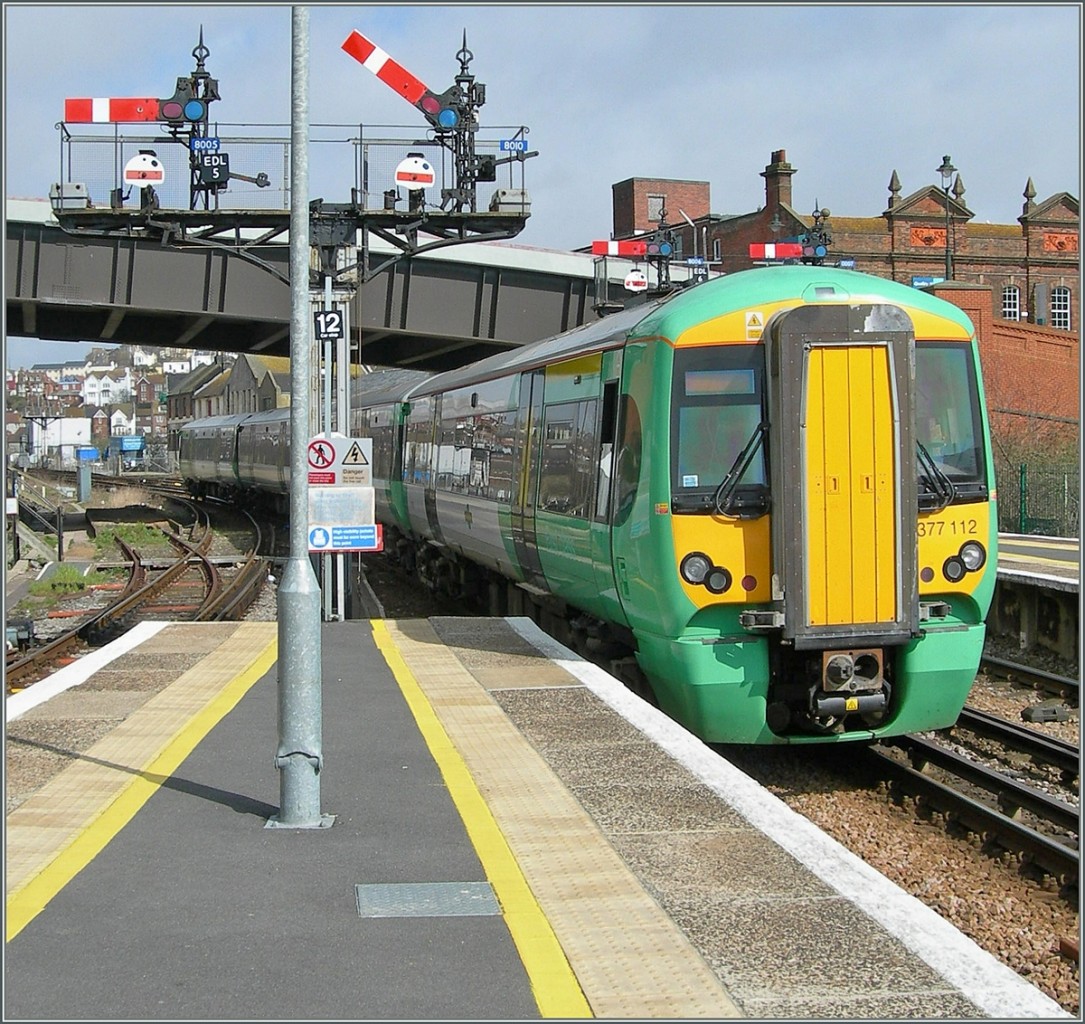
(1029,194)
(465,56)
(894,190)
(201,53)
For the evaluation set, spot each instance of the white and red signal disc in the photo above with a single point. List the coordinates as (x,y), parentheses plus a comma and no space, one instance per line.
(144,169)
(635,281)
(415,172)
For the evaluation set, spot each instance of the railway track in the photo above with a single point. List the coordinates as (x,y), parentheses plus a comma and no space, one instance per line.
(1049,682)
(990,804)
(189,585)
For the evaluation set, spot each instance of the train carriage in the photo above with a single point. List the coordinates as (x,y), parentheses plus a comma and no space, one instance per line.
(263,452)
(207,454)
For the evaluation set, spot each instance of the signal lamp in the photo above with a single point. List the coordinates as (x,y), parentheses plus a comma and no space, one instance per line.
(183,105)
(442,111)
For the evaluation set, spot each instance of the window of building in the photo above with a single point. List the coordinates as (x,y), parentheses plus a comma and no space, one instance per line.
(1060,307)
(716,251)
(1011,302)
(655,208)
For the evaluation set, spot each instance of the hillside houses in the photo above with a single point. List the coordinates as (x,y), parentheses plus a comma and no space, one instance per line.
(55,407)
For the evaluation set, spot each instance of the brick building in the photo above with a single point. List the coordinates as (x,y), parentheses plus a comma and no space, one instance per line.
(1032,268)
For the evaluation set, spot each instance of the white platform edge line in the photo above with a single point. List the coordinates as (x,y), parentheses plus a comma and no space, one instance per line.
(80,671)
(979,976)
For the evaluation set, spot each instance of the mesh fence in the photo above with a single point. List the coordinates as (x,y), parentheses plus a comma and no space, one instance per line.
(1038,498)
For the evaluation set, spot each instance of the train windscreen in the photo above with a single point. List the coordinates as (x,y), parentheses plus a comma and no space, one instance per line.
(716,420)
(948,425)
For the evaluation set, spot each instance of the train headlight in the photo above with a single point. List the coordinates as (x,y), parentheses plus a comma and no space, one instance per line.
(973,555)
(953,569)
(718,580)
(695,567)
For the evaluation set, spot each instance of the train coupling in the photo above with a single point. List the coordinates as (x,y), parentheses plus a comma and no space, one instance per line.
(851,681)
(862,703)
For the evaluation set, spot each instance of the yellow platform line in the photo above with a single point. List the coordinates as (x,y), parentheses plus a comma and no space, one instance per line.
(29,896)
(553,983)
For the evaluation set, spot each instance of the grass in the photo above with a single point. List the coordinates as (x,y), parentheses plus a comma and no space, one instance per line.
(138,535)
(64,581)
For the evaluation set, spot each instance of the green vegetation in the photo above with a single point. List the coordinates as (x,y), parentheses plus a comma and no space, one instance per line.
(138,535)
(68,579)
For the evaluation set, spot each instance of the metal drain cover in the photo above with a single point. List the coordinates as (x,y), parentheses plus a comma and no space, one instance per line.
(427,899)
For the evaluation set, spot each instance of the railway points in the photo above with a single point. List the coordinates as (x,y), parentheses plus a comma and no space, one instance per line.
(473,766)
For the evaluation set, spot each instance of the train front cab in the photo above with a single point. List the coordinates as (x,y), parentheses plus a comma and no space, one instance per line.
(826,608)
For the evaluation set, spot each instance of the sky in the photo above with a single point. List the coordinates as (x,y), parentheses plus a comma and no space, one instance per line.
(705,92)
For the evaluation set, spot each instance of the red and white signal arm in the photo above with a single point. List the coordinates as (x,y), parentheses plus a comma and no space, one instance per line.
(144,169)
(623,247)
(106,109)
(635,281)
(415,172)
(774,250)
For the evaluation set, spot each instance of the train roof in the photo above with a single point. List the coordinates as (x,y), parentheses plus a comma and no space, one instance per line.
(383,386)
(769,285)
(217,421)
(610,332)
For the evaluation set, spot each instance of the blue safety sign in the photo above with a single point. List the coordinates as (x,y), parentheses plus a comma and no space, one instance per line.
(355,538)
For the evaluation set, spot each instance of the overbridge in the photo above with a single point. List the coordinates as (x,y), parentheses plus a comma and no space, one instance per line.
(430,312)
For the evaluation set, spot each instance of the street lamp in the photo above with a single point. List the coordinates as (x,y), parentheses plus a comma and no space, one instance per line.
(946,170)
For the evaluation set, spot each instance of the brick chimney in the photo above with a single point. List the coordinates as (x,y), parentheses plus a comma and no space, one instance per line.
(777,177)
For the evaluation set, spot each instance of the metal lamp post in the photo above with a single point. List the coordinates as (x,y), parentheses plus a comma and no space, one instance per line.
(946,170)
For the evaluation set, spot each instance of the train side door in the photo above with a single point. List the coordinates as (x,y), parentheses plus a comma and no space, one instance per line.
(602,536)
(526,476)
(843,473)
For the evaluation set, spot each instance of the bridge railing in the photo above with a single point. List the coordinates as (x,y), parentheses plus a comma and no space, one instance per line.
(347,161)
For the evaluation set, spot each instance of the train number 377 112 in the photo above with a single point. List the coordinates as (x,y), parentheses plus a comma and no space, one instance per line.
(948,527)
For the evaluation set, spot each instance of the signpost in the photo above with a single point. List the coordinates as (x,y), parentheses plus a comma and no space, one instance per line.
(342,516)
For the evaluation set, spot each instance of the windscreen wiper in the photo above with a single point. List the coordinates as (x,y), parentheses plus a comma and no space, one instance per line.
(940,484)
(724,497)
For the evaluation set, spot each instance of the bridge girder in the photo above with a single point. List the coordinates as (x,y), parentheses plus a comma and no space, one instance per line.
(420,313)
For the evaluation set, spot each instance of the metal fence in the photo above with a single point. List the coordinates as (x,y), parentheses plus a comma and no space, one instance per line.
(345,161)
(1039,498)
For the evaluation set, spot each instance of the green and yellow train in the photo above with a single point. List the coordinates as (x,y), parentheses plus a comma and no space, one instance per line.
(770,497)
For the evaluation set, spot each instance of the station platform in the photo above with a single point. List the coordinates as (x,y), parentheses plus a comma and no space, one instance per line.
(508,834)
